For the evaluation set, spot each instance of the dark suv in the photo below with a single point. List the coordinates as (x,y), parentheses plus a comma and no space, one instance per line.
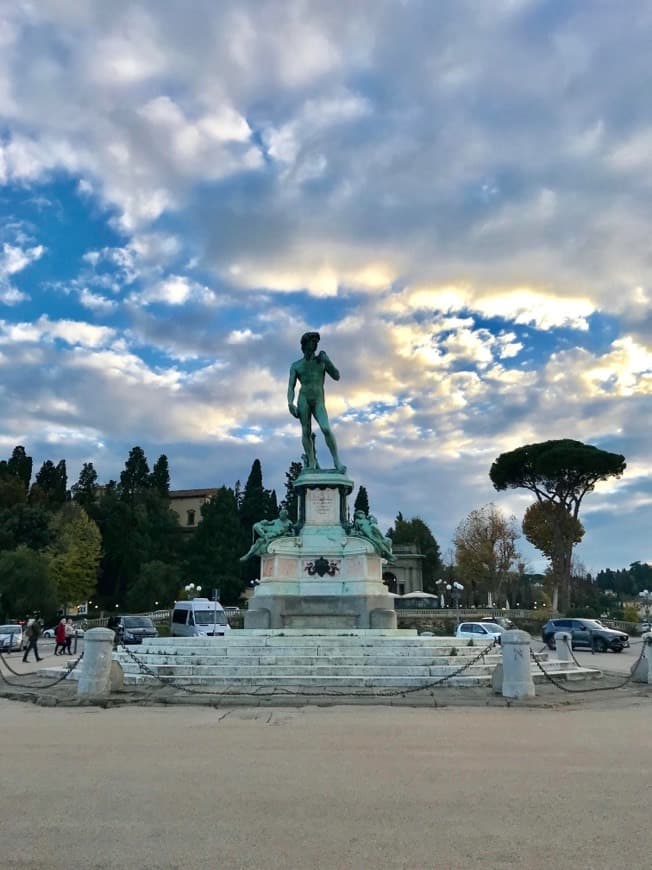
(586,632)
(132,629)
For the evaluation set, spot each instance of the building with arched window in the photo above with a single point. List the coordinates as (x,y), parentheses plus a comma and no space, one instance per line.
(404,573)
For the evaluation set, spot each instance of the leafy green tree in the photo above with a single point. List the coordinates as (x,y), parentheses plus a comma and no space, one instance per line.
(26,586)
(290,501)
(24,525)
(415,531)
(50,487)
(486,554)
(641,574)
(256,499)
(361,502)
(561,472)
(123,543)
(135,477)
(257,504)
(160,477)
(12,491)
(162,535)
(156,582)
(213,559)
(19,467)
(74,554)
(554,532)
(85,491)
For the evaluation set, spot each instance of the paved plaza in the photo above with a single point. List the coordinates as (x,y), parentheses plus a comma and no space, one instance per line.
(338,787)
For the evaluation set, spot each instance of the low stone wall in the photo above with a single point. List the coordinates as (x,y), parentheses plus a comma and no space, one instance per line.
(443,623)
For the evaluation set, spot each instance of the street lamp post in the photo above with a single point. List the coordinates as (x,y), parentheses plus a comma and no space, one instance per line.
(190,589)
(457,591)
(646,597)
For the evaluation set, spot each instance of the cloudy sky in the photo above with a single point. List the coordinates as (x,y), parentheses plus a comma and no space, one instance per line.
(457,195)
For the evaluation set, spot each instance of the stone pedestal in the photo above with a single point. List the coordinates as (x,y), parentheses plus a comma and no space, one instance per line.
(322,577)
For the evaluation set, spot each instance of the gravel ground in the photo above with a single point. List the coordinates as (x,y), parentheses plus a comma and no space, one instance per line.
(561,784)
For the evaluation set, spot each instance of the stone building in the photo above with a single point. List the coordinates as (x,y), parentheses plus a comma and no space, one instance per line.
(186,503)
(405,571)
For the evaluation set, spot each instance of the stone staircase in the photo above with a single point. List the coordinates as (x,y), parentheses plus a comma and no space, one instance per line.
(348,660)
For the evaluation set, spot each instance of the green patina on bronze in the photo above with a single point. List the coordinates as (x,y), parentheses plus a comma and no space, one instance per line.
(266,531)
(367,527)
(310,372)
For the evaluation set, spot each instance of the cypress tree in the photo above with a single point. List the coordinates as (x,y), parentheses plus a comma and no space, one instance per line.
(362,501)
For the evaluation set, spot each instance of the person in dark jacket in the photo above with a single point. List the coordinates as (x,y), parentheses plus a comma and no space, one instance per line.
(33,633)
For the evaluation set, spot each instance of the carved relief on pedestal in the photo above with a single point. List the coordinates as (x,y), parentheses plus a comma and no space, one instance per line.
(321,567)
(267,566)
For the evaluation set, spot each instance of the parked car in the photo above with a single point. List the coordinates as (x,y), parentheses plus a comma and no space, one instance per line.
(645,626)
(11,637)
(585,632)
(198,617)
(503,621)
(484,632)
(132,629)
(49,632)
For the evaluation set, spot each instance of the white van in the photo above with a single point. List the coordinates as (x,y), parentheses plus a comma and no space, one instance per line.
(198,618)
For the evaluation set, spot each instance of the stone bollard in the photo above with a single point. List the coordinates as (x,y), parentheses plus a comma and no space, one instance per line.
(563,646)
(642,672)
(95,667)
(517,667)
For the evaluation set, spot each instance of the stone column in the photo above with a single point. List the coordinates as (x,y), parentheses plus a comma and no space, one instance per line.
(517,668)
(563,646)
(95,667)
(642,673)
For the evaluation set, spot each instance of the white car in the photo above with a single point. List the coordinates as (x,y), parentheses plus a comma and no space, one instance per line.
(484,632)
(49,632)
(11,637)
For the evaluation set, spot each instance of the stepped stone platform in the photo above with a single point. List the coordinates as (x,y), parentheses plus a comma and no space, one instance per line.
(298,659)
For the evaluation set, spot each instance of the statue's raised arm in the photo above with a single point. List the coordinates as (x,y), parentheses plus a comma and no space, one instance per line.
(310,372)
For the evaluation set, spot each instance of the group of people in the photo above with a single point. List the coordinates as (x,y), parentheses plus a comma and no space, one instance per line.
(63,635)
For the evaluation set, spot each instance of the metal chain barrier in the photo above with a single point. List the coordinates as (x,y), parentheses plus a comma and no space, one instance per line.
(49,685)
(280,690)
(570,691)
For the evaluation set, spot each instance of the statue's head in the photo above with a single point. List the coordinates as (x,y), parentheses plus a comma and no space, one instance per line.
(283,514)
(359,513)
(309,337)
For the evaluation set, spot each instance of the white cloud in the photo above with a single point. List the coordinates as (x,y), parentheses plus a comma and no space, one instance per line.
(176,290)
(418,171)
(15,259)
(72,332)
(96,302)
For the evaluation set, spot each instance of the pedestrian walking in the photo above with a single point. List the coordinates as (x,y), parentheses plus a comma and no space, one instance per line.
(70,633)
(60,637)
(33,633)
